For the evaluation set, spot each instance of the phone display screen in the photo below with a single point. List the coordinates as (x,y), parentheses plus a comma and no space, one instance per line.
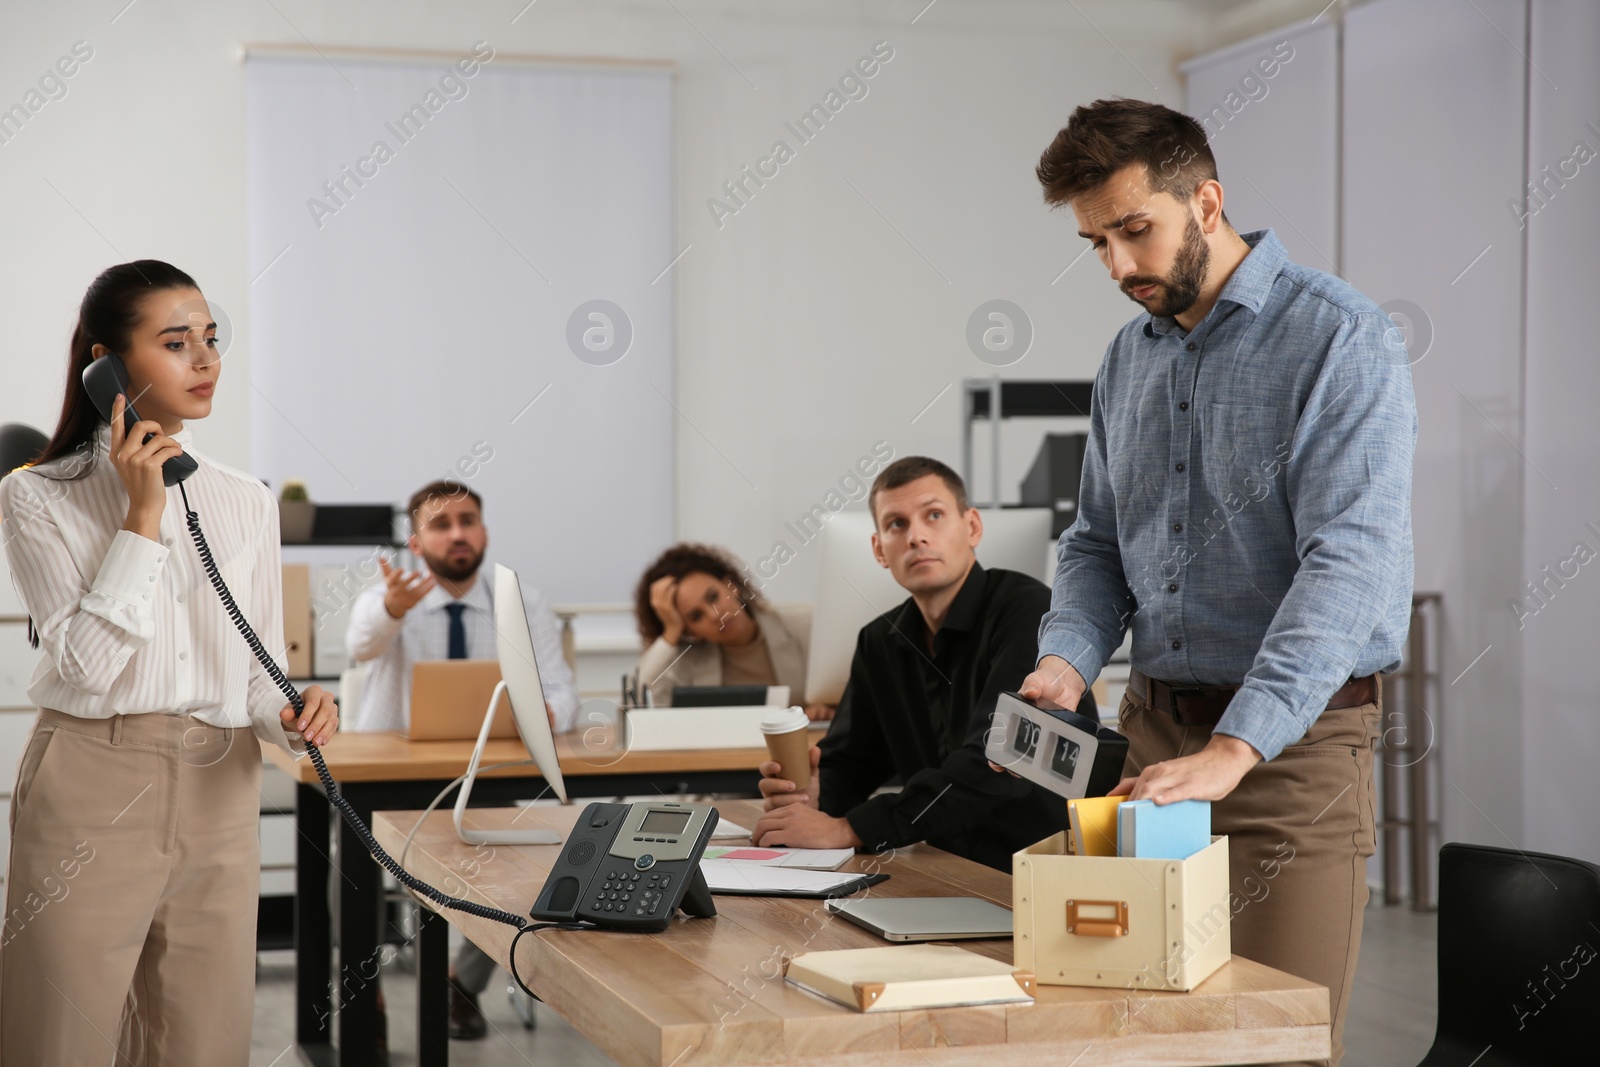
(670,823)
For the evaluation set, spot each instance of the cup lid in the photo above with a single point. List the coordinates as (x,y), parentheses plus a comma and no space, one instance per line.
(783,720)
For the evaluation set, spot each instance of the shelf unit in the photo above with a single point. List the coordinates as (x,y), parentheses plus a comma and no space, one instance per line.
(996,399)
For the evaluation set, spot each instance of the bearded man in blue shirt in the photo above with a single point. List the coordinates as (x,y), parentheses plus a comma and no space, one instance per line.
(1245,509)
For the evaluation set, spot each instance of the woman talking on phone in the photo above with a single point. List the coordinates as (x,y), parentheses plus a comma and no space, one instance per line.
(129,931)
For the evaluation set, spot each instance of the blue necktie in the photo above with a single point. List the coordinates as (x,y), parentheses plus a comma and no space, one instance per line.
(458,630)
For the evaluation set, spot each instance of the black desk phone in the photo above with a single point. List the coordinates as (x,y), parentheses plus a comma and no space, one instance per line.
(631,867)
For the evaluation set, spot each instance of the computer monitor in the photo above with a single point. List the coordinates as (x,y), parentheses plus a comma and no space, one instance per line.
(854,589)
(519,679)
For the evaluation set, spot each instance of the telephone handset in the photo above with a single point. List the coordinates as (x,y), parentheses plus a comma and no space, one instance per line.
(631,867)
(107,376)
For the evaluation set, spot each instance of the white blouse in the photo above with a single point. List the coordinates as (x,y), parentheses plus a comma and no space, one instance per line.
(130,626)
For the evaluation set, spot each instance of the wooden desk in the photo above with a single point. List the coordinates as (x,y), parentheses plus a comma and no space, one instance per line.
(704,992)
(385,771)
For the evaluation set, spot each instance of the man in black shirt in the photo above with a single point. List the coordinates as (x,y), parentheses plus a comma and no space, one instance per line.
(922,688)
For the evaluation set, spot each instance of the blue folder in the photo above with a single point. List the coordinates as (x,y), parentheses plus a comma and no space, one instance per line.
(1151,831)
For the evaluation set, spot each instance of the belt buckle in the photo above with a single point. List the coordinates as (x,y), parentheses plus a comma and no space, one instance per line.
(1172,701)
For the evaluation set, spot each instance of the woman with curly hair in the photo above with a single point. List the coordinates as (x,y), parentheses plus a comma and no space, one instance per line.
(702,624)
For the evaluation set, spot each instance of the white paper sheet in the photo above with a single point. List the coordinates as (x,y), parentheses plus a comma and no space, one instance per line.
(732,875)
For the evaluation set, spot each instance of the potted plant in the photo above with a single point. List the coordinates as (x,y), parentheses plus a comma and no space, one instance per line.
(296,513)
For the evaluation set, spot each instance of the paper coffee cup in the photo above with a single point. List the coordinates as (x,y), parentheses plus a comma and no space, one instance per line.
(787,731)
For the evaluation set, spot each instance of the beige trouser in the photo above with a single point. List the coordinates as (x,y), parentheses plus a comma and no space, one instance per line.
(1300,828)
(129,933)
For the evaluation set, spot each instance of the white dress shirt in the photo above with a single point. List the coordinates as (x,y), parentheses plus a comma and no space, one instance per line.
(423,633)
(130,626)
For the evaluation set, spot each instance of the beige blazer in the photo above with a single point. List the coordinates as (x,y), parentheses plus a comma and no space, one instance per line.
(787,628)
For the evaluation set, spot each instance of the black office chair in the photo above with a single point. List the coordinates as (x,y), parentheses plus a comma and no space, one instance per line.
(1519,959)
(19,444)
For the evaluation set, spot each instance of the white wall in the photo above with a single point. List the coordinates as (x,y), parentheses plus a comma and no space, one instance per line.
(809,325)
(1433,137)
(1270,109)
(1562,391)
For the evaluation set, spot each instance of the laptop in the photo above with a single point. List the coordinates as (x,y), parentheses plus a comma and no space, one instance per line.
(926,918)
(449,697)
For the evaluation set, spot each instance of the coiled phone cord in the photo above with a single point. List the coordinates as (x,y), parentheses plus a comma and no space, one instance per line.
(406,879)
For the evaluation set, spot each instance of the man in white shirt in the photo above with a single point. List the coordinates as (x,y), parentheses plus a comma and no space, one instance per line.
(446,613)
(412,615)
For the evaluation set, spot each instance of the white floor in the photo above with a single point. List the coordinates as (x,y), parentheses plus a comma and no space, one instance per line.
(1390,1022)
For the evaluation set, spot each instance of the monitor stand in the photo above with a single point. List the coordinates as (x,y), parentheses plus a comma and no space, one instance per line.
(493,837)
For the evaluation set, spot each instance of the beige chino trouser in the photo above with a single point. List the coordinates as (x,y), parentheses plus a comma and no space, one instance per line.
(130,924)
(1300,828)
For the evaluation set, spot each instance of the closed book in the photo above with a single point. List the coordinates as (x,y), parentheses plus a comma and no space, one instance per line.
(907,977)
(1094,825)
(1150,831)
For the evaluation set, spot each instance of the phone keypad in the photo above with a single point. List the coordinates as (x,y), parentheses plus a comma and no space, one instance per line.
(653,893)
(616,892)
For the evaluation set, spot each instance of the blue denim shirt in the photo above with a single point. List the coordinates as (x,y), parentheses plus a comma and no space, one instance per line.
(1246,500)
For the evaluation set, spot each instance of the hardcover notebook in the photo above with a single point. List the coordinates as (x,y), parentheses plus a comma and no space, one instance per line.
(906,977)
(1150,831)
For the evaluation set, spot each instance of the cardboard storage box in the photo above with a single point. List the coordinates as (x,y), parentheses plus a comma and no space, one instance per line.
(1120,923)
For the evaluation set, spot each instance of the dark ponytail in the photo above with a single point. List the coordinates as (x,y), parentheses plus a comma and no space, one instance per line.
(107,316)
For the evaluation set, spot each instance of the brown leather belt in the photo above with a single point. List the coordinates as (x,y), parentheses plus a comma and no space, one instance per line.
(1203,705)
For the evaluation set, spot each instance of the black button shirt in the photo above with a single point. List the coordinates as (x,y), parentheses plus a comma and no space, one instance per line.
(922,716)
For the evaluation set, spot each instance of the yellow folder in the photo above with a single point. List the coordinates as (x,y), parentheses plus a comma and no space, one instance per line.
(1094,825)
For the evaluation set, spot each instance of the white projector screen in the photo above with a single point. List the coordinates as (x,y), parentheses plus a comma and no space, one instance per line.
(426,245)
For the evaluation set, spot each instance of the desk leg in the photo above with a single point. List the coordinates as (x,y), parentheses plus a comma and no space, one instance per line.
(360,886)
(313,955)
(433,996)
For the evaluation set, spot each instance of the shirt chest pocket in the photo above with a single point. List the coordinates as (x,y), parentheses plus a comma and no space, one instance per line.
(1244,446)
